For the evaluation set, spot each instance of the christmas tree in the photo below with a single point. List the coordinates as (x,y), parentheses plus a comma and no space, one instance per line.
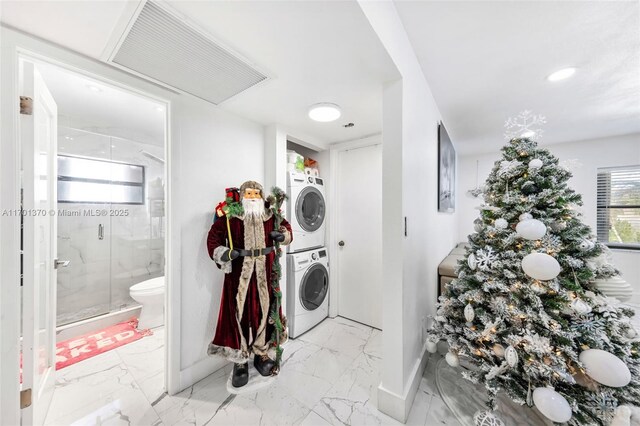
(524,310)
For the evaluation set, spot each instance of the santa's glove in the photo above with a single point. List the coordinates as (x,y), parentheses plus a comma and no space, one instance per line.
(277,236)
(229,255)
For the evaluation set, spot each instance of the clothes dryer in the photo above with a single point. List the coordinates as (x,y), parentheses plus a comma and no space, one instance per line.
(306,210)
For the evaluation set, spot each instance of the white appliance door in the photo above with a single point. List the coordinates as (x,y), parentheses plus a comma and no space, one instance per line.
(310,209)
(314,287)
(359,232)
(38,133)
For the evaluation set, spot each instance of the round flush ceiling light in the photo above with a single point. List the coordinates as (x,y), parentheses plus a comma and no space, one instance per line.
(561,74)
(324,112)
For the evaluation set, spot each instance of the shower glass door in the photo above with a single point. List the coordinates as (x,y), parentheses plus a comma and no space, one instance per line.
(84,287)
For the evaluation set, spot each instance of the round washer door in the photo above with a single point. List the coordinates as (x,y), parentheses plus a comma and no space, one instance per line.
(314,286)
(310,209)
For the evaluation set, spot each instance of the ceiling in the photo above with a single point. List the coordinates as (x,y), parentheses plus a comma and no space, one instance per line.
(313,51)
(487,61)
(106,109)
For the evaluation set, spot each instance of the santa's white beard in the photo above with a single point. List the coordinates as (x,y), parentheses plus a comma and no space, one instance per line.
(253,206)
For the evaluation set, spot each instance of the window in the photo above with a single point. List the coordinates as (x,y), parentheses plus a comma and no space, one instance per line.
(619,206)
(84,180)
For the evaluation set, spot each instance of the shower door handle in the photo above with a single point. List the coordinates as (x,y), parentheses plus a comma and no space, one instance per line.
(60,263)
(100,231)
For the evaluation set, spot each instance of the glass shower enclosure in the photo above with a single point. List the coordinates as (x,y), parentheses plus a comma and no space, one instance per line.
(110,221)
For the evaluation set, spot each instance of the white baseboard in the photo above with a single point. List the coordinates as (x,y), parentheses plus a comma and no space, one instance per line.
(201,369)
(399,406)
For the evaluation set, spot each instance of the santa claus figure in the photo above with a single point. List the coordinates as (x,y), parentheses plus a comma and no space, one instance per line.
(242,245)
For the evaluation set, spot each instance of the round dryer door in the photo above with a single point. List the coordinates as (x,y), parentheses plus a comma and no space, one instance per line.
(310,209)
(314,286)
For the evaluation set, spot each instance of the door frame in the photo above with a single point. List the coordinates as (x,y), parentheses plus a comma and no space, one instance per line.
(334,209)
(16,47)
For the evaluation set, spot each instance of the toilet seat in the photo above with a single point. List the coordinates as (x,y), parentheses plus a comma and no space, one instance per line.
(149,287)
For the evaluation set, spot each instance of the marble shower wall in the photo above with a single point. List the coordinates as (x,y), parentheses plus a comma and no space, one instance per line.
(101,271)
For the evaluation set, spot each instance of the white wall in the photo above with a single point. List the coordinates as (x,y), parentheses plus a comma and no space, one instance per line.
(410,149)
(210,150)
(588,156)
(216,150)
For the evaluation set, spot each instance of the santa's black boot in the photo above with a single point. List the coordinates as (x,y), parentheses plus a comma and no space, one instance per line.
(263,364)
(240,375)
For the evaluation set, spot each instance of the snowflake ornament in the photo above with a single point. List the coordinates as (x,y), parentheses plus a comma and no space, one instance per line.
(485,258)
(524,125)
(508,168)
(605,405)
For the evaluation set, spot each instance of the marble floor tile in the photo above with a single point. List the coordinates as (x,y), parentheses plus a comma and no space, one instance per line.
(129,407)
(329,376)
(197,403)
(313,419)
(88,382)
(339,334)
(145,357)
(269,406)
(315,360)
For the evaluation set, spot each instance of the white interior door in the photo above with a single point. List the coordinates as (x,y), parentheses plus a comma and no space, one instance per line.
(359,226)
(38,132)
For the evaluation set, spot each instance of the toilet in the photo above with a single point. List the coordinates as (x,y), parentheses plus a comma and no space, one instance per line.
(150,294)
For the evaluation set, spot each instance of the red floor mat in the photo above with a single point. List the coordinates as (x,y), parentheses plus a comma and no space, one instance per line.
(91,344)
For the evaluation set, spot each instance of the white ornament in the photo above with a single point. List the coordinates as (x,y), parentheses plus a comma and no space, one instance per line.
(559,226)
(498,349)
(452,359)
(540,266)
(477,225)
(525,216)
(631,333)
(615,287)
(471,261)
(605,368)
(531,229)
(535,164)
(552,405)
(511,355)
(501,223)
(469,313)
(487,418)
(586,245)
(580,307)
(432,346)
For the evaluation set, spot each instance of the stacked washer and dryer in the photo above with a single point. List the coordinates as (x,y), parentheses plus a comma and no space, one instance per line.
(307,258)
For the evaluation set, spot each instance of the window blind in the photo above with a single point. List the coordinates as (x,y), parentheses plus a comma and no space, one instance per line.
(618,220)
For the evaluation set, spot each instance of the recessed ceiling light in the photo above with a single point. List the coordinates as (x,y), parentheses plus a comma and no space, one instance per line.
(528,134)
(324,112)
(561,74)
(93,88)
(69,138)
(159,108)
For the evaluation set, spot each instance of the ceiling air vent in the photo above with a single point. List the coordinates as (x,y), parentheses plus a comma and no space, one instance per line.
(162,47)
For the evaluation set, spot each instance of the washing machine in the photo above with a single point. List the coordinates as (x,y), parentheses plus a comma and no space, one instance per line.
(306,210)
(307,290)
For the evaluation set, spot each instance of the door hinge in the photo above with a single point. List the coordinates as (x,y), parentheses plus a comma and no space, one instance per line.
(26,105)
(25,398)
